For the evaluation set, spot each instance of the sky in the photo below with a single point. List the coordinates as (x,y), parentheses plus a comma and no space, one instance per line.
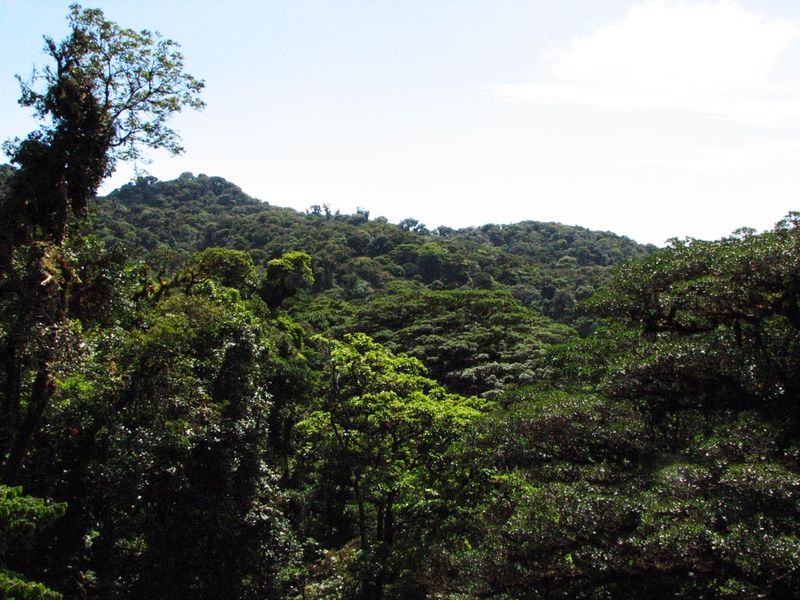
(652,119)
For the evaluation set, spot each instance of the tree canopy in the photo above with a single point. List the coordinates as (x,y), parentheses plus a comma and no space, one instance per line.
(205,396)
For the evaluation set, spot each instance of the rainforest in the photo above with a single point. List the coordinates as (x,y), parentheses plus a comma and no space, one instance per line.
(206,396)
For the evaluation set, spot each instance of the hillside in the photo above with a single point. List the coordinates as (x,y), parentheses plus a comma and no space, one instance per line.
(655,457)
(476,304)
(546,266)
(204,396)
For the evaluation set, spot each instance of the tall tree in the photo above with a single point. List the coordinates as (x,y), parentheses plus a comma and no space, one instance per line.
(107,96)
(383,431)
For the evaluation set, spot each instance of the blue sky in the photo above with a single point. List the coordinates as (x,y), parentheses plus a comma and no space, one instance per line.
(652,119)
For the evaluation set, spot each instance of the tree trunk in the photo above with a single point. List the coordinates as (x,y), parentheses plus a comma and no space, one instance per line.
(41,392)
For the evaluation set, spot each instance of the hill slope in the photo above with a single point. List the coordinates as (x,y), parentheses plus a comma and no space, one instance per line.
(547,266)
(479,305)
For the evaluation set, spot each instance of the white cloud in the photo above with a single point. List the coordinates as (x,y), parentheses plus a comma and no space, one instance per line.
(720,160)
(711,56)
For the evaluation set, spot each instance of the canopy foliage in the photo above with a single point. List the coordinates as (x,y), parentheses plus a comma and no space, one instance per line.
(204,396)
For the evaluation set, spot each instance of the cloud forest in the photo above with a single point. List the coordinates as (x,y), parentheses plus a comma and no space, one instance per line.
(206,396)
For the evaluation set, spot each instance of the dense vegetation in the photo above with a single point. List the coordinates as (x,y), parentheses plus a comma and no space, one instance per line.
(468,303)
(204,396)
(546,266)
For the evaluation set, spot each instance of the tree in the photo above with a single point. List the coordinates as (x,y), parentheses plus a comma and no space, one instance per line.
(702,348)
(190,506)
(720,321)
(20,516)
(232,268)
(284,276)
(387,428)
(158,438)
(108,95)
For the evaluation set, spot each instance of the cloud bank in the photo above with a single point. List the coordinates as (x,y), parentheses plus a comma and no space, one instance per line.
(712,56)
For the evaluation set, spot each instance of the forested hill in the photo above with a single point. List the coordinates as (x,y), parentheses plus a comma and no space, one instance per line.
(546,266)
(479,306)
(212,398)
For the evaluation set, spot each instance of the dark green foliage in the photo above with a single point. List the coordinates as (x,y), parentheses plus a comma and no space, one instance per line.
(683,480)
(359,256)
(665,466)
(108,94)
(465,302)
(473,341)
(565,468)
(284,276)
(364,263)
(720,322)
(231,268)
(159,439)
(200,439)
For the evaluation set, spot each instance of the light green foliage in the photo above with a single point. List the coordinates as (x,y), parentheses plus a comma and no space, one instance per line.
(14,587)
(231,268)
(20,517)
(284,276)
(388,430)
